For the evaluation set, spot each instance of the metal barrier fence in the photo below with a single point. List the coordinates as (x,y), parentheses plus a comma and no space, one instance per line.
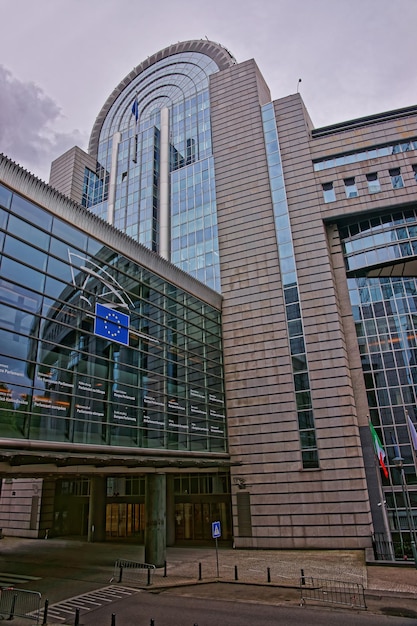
(19,603)
(332,591)
(133,572)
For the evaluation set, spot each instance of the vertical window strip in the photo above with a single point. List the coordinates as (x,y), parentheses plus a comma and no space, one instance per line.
(308,442)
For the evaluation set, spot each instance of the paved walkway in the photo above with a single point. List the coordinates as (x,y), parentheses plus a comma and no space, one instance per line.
(281,567)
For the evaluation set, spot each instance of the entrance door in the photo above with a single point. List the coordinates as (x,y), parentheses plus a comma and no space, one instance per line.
(193,520)
(124,520)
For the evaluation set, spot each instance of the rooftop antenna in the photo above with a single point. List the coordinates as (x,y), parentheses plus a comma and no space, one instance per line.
(298,84)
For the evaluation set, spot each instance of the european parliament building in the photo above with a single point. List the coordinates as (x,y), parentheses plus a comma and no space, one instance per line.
(203,315)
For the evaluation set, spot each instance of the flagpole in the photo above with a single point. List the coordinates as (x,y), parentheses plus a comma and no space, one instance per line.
(379,457)
(412,435)
(135,113)
(399,464)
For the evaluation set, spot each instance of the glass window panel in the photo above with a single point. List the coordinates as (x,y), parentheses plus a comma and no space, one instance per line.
(291,295)
(21,274)
(374,185)
(28,232)
(303,400)
(32,213)
(293,311)
(301,382)
(297,345)
(308,439)
(310,459)
(69,235)
(299,363)
(5,197)
(20,250)
(328,192)
(305,419)
(350,188)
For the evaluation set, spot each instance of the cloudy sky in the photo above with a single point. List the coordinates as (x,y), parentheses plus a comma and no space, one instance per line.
(60,59)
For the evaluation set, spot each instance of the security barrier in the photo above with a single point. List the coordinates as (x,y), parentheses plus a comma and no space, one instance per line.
(133,572)
(332,591)
(19,603)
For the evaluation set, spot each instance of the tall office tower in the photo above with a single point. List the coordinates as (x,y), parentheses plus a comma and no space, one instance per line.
(310,236)
(153,172)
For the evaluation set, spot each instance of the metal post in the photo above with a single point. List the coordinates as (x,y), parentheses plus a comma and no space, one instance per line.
(120,574)
(12,608)
(113,619)
(303,580)
(409,516)
(165,569)
(200,577)
(236,576)
(399,464)
(268,574)
(77,617)
(45,613)
(152,622)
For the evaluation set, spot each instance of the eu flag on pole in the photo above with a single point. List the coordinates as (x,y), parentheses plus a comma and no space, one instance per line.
(135,109)
(111,324)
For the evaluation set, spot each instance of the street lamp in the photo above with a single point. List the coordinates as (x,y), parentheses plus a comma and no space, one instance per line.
(399,464)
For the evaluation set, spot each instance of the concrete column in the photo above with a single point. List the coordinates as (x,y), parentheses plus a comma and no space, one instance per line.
(170,511)
(164,221)
(97,509)
(155,522)
(113,176)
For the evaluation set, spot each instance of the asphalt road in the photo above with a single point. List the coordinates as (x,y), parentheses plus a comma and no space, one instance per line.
(74,575)
(170,609)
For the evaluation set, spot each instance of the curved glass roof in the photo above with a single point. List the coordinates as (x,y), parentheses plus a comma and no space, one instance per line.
(167,77)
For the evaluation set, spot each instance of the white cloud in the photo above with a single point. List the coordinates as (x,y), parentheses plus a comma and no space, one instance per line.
(27,119)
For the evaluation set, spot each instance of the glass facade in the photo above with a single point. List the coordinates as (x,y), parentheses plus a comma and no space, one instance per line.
(146,373)
(199,499)
(363,155)
(307,433)
(130,145)
(385,314)
(380,240)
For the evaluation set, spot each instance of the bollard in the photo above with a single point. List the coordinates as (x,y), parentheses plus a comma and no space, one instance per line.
(200,576)
(12,608)
(303,580)
(152,623)
(149,577)
(113,619)
(45,613)
(165,569)
(120,574)
(268,573)
(77,617)
(236,576)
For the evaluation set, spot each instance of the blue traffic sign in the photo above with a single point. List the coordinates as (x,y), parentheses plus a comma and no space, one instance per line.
(216,530)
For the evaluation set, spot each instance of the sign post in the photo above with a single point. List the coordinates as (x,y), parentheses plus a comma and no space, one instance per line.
(216,532)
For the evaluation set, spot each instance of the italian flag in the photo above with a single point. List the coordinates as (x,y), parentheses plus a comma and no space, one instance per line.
(379,450)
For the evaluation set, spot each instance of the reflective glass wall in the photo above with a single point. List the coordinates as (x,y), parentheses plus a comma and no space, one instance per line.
(293,313)
(96,349)
(385,314)
(129,152)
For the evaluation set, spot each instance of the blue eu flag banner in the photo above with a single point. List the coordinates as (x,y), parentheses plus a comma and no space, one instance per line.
(135,110)
(111,324)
